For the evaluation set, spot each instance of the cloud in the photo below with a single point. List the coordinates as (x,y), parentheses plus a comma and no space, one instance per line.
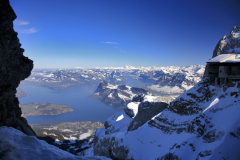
(20,22)
(122,51)
(110,42)
(28,31)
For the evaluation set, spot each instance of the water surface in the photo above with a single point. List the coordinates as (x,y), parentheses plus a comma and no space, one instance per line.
(84,107)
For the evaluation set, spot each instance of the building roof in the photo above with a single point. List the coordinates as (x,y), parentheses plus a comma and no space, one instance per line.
(225,58)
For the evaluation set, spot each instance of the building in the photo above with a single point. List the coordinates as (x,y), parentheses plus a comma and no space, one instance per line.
(224,68)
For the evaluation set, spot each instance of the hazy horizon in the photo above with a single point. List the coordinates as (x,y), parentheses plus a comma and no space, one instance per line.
(118,67)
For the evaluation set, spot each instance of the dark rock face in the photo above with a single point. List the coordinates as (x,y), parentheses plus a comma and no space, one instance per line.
(113,151)
(14,68)
(146,110)
(169,156)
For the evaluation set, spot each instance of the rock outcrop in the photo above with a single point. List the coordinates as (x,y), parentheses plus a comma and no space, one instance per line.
(14,68)
(119,95)
(229,43)
(146,110)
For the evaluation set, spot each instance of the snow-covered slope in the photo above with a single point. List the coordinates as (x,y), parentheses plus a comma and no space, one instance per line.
(15,145)
(117,94)
(202,123)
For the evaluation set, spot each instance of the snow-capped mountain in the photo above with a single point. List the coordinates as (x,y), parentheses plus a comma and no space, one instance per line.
(229,43)
(86,76)
(202,123)
(176,80)
(63,78)
(172,80)
(117,94)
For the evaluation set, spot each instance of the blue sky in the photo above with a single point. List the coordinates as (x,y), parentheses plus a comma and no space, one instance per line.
(115,33)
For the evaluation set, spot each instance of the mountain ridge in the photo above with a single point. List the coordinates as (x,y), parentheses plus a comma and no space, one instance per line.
(117,94)
(153,76)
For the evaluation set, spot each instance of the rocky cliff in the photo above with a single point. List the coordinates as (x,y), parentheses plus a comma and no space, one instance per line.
(14,68)
(229,43)
(113,94)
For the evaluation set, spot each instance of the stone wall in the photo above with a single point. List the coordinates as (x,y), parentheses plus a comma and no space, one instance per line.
(14,68)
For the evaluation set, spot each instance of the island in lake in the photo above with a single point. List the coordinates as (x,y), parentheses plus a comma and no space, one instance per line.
(117,95)
(37,108)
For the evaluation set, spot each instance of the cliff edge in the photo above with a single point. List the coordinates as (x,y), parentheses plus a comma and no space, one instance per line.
(229,43)
(14,68)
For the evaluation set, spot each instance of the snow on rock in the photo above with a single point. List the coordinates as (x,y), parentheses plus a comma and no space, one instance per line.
(202,123)
(166,89)
(201,71)
(85,135)
(149,75)
(16,145)
(132,109)
(176,80)
(49,75)
(117,94)
(229,43)
(117,122)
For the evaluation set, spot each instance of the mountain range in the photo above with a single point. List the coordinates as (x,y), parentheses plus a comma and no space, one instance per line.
(202,123)
(163,81)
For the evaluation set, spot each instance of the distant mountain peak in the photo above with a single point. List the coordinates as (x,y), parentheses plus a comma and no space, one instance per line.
(229,43)
(117,94)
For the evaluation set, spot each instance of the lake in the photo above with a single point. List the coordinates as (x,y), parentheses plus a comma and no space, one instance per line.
(84,107)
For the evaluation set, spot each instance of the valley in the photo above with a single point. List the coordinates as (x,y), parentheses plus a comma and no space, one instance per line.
(73,137)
